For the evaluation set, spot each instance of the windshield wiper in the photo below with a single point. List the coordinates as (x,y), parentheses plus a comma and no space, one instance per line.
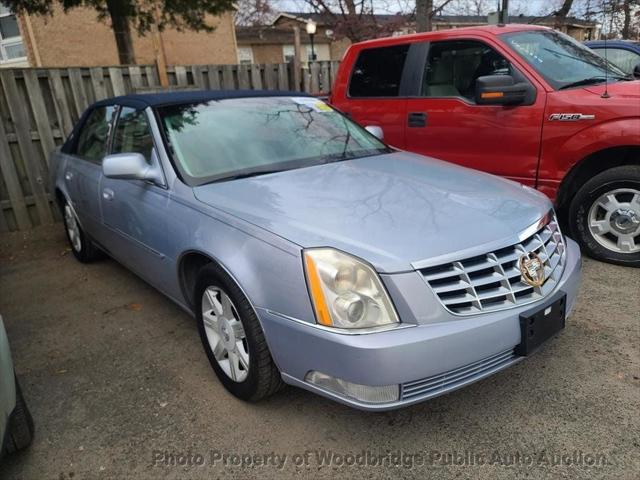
(253,173)
(585,81)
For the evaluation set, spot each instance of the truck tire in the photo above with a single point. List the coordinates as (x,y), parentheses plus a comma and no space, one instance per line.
(20,428)
(604,216)
(81,245)
(233,338)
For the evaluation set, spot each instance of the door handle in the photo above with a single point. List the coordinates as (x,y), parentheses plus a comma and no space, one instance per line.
(417,119)
(107,194)
(68,176)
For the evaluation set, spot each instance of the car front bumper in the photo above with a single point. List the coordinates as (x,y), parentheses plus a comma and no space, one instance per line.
(424,360)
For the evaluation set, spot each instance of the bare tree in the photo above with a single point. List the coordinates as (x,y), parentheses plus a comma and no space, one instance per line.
(254,12)
(562,13)
(630,9)
(355,19)
(425,11)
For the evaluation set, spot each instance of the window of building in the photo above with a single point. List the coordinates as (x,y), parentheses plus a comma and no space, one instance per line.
(321,50)
(133,134)
(288,53)
(92,141)
(378,71)
(245,55)
(452,68)
(11,46)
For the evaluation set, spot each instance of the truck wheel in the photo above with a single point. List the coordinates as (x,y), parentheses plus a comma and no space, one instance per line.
(20,428)
(604,216)
(233,338)
(83,249)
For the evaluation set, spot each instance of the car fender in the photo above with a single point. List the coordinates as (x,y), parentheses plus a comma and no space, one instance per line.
(249,255)
(619,132)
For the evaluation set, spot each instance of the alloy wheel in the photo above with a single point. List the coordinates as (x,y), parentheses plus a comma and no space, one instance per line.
(225,333)
(73,229)
(614,220)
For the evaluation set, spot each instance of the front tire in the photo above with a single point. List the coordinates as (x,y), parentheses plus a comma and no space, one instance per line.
(604,216)
(233,338)
(20,428)
(81,245)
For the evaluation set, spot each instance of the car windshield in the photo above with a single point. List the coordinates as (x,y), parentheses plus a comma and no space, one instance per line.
(561,60)
(234,138)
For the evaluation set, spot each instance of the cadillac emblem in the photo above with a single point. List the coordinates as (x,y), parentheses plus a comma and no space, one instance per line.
(532,269)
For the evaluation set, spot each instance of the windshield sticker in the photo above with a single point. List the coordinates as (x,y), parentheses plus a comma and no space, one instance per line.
(313,103)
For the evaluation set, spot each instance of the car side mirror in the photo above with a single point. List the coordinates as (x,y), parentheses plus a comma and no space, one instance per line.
(376,131)
(130,166)
(502,90)
(636,71)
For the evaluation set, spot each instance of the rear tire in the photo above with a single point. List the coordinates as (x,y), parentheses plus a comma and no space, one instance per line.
(81,245)
(604,216)
(228,324)
(20,429)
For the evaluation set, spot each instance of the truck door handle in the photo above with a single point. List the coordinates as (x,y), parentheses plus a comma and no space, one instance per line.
(68,176)
(107,194)
(417,119)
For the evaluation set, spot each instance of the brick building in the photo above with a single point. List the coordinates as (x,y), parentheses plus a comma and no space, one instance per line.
(273,43)
(77,38)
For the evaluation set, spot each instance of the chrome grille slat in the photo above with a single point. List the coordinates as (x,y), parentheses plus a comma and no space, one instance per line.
(457,376)
(465,287)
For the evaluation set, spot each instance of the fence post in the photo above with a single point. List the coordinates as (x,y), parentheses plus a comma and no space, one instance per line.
(37,178)
(297,65)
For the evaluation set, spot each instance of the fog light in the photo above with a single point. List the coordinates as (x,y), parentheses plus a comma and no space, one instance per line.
(362,393)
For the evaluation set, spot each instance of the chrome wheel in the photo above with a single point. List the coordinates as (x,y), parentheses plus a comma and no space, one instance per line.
(614,220)
(225,334)
(73,229)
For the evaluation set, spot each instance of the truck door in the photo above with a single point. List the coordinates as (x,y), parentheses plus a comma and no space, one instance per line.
(373,95)
(503,140)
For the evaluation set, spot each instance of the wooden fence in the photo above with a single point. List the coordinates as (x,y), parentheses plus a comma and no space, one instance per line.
(38,108)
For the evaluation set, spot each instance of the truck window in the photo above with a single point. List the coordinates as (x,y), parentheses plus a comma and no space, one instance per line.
(378,71)
(453,67)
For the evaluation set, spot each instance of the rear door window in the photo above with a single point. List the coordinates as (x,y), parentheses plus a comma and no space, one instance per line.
(94,135)
(378,72)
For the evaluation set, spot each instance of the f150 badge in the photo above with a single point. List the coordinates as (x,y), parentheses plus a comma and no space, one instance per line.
(570,117)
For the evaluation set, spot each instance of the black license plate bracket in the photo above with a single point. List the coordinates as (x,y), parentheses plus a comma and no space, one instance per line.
(541,323)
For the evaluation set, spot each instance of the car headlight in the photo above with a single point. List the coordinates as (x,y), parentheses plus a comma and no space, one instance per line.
(346,292)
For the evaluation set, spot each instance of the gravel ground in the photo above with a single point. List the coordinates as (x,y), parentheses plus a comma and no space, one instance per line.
(119,387)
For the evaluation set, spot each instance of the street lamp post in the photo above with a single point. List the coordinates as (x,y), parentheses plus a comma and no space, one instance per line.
(311,31)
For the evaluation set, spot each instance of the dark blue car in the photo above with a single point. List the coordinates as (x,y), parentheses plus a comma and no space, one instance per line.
(625,54)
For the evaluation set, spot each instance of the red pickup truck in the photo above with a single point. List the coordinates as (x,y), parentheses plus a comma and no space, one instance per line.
(524,102)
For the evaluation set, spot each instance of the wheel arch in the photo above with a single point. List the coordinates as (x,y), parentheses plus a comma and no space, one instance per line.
(190,263)
(60,198)
(592,165)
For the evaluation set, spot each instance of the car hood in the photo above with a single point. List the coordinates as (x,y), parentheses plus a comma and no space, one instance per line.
(395,210)
(624,90)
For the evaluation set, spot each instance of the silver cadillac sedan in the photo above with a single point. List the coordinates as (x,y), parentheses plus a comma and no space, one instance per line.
(311,253)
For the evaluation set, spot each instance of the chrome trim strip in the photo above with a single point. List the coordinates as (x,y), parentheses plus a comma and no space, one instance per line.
(531,229)
(476,249)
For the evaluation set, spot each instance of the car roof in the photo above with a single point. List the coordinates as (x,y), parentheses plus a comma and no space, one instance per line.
(628,44)
(480,30)
(143,100)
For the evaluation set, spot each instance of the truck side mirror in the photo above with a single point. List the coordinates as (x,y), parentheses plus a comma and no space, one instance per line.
(502,90)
